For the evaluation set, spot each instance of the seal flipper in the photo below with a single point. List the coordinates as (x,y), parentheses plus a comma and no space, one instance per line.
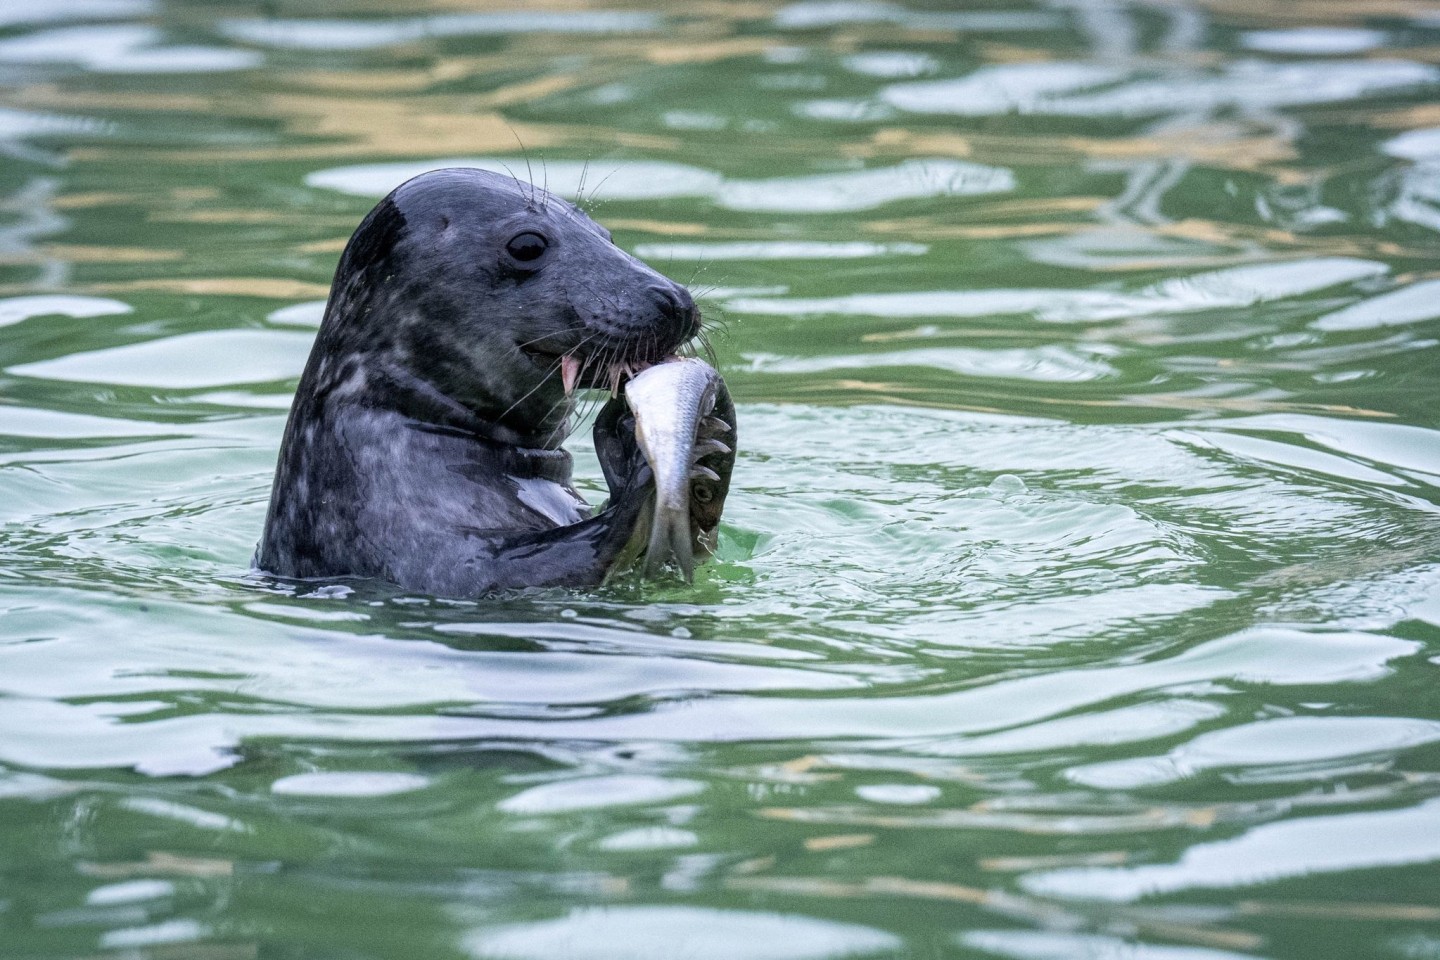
(622,459)
(615,445)
(589,552)
(582,554)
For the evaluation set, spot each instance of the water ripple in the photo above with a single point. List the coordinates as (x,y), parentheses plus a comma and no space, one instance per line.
(1077,591)
(123,49)
(337,34)
(653,180)
(1323,844)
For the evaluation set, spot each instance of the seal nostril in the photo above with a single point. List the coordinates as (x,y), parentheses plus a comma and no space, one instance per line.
(675,305)
(666,302)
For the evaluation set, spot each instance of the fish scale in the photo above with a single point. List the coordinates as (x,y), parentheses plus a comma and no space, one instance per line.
(671,402)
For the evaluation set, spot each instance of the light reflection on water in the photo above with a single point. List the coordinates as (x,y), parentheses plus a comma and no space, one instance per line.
(1076,596)
(824,193)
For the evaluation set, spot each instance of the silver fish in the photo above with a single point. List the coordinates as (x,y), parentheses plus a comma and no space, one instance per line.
(673,403)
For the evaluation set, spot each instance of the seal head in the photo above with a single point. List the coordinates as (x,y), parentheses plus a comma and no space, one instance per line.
(424,443)
(478,285)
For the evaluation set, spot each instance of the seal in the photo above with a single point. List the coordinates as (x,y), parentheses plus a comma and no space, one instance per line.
(424,443)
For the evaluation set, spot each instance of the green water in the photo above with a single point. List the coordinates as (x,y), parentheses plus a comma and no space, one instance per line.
(1079,595)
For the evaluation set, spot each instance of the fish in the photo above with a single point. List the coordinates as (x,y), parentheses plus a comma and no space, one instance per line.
(676,427)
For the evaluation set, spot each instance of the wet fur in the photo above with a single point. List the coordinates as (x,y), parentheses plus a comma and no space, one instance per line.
(423,447)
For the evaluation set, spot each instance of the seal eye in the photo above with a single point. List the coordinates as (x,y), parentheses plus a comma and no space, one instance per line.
(526,247)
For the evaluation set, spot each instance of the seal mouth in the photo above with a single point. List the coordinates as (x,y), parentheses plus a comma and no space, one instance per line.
(588,371)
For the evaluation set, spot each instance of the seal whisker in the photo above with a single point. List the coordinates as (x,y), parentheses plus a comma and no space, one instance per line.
(553,368)
(612,304)
(561,429)
(519,184)
(712,324)
(586,407)
(700,268)
(580,190)
(529,173)
(555,434)
(598,360)
(526,396)
(547,336)
(534,340)
(603,180)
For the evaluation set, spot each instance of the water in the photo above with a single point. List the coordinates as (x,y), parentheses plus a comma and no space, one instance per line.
(1078,591)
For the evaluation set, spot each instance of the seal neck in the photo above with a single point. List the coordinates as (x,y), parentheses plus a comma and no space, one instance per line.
(424,403)
(539,464)
(525,463)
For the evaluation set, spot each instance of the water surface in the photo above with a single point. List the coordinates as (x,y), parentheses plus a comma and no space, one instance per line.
(1079,594)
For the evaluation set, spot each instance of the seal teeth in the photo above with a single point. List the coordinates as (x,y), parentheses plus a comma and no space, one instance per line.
(698,472)
(569,372)
(622,370)
(715,425)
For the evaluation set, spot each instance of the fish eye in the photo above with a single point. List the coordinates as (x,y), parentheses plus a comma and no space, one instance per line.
(527,246)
